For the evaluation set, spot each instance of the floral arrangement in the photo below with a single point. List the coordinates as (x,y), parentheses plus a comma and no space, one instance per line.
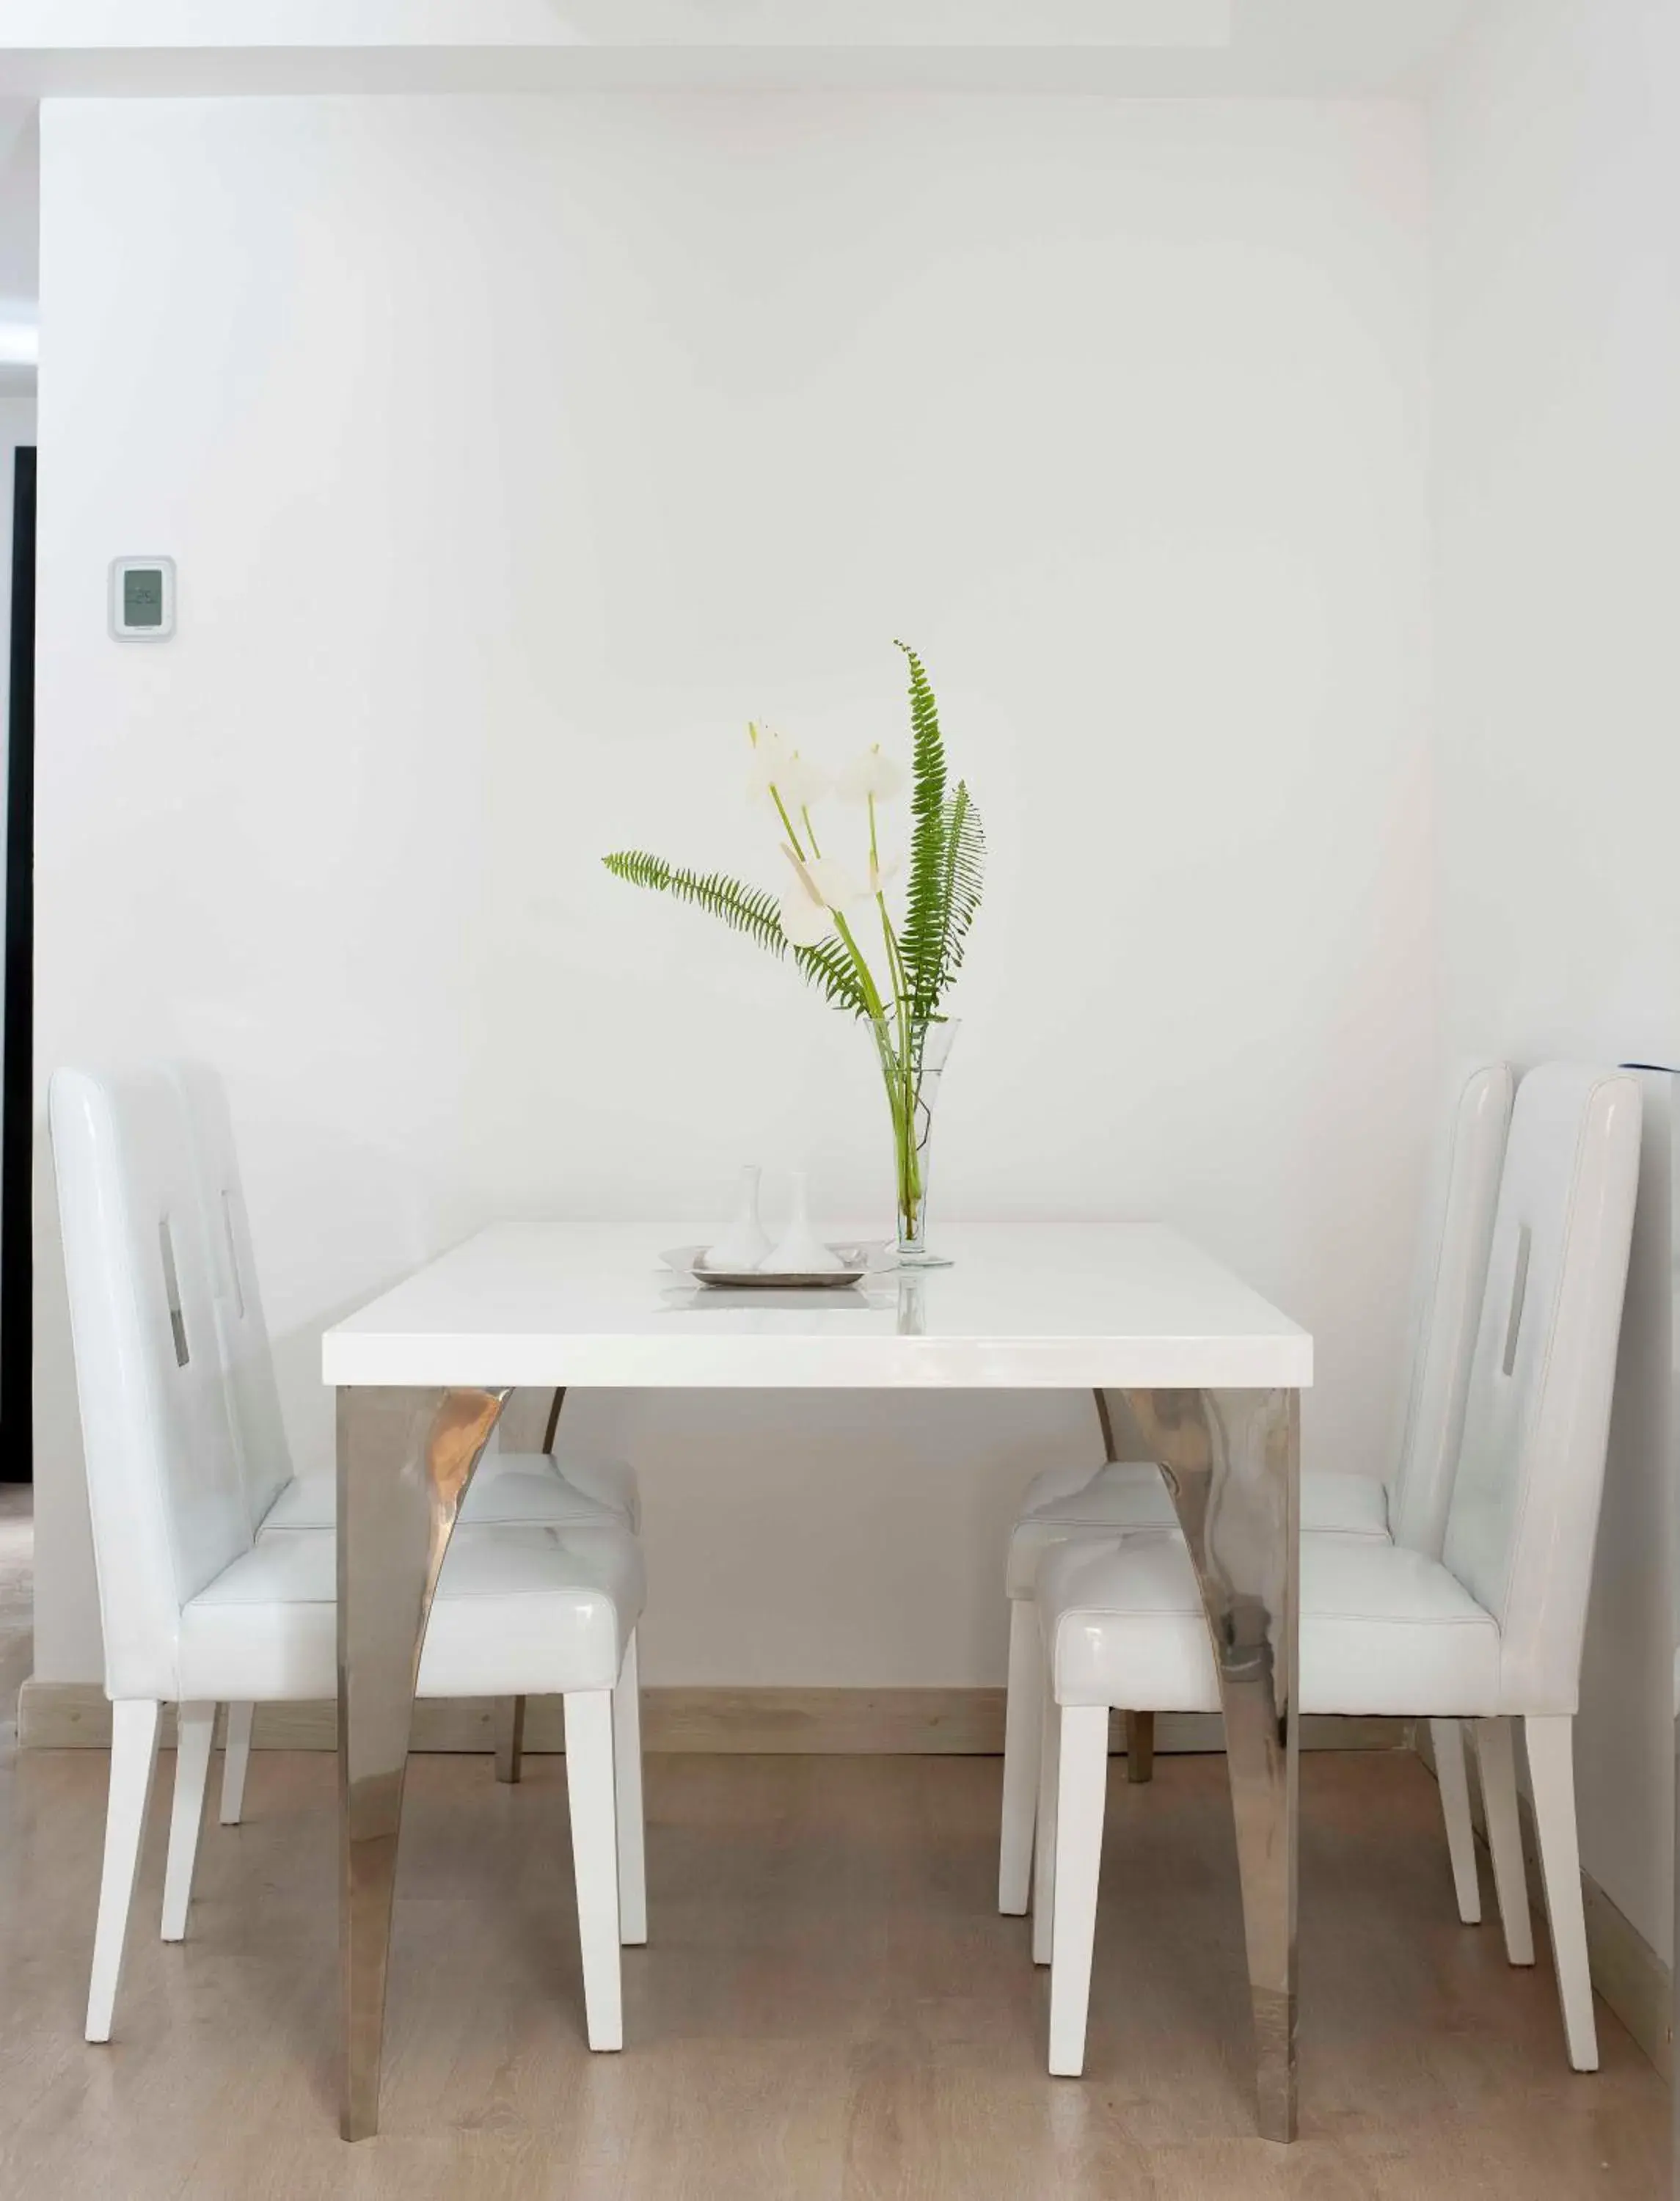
(899,986)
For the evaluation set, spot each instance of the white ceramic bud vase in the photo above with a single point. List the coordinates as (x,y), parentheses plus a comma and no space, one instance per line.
(799,1250)
(744,1244)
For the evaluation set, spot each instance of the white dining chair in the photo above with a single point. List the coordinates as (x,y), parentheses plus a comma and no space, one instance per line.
(560,1486)
(197,1610)
(1491,1633)
(1123,1497)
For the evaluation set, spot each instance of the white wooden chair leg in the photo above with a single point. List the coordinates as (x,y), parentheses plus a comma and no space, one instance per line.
(1140,1749)
(1044,1846)
(1447,1737)
(1496,1763)
(195,1729)
(133,1758)
(1023,1728)
(632,1828)
(1551,1749)
(589,1784)
(1082,1791)
(236,1757)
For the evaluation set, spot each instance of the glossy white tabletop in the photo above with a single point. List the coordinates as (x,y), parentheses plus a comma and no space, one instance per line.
(1024,1306)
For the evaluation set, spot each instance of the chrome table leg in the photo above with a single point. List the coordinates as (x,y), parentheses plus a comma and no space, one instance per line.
(553,1423)
(1232,1460)
(405,1457)
(510,1738)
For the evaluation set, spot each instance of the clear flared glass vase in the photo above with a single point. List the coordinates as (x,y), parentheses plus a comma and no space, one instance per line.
(912,1065)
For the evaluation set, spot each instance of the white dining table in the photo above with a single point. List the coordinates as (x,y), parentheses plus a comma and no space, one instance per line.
(1211,1375)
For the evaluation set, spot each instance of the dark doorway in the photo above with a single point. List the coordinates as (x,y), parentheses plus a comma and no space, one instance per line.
(17,1090)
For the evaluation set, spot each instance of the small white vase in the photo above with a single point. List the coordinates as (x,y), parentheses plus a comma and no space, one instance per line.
(744,1244)
(799,1250)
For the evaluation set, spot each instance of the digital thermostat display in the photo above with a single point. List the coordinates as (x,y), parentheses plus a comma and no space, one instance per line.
(143,596)
(143,599)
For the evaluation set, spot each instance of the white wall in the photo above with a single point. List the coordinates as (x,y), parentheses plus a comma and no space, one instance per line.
(1556,170)
(514,453)
(20,203)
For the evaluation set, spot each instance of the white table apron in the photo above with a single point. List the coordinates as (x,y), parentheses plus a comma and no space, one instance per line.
(1212,1375)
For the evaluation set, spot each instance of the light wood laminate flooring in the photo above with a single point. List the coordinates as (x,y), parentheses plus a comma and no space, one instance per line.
(830,2005)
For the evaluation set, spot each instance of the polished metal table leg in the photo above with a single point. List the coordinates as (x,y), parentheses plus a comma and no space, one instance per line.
(1232,1460)
(552,1425)
(1105,1422)
(405,1457)
(510,1738)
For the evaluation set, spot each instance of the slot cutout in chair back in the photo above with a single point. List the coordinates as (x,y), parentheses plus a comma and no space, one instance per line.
(165,1494)
(1458,1232)
(1525,1503)
(1519,1286)
(230,1240)
(171,1293)
(242,1330)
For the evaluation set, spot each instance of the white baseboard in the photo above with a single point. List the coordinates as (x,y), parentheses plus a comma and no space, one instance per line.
(957,1723)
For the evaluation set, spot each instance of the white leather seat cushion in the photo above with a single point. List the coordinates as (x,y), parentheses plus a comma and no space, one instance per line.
(571,1489)
(519,1610)
(1383,1629)
(1128,1495)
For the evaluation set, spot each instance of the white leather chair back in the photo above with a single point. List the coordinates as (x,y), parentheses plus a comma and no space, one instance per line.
(1459,1230)
(164,1489)
(248,1359)
(1525,1503)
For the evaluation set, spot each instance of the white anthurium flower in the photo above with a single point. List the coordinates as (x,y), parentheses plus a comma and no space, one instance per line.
(806,917)
(800,783)
(779,768)
(881,874)
(837,887)
(872,774)
(804,921)
(822,886)
(770,755)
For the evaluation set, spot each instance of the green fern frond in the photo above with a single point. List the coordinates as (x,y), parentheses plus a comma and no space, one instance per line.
(827,968)
(922,935)
(962,881)
(745,909)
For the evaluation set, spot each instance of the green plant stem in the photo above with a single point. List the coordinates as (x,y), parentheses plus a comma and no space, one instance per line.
(895,966)
(901,1081)
(787,824)
(878,1008)
(901,1093)
(871,995)
(895,1028)
(895,959)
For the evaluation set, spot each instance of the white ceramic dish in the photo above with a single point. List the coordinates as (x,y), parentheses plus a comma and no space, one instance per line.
(857,1262)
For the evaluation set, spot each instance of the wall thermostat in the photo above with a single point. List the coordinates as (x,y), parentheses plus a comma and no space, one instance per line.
(143,599)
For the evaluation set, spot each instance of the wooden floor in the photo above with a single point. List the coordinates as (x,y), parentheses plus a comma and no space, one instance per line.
(831,2006)
(17,1598)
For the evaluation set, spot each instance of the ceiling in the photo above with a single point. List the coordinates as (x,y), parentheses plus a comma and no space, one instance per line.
(1174,48)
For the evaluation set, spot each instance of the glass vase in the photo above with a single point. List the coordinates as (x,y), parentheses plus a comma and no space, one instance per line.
(912,1062)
